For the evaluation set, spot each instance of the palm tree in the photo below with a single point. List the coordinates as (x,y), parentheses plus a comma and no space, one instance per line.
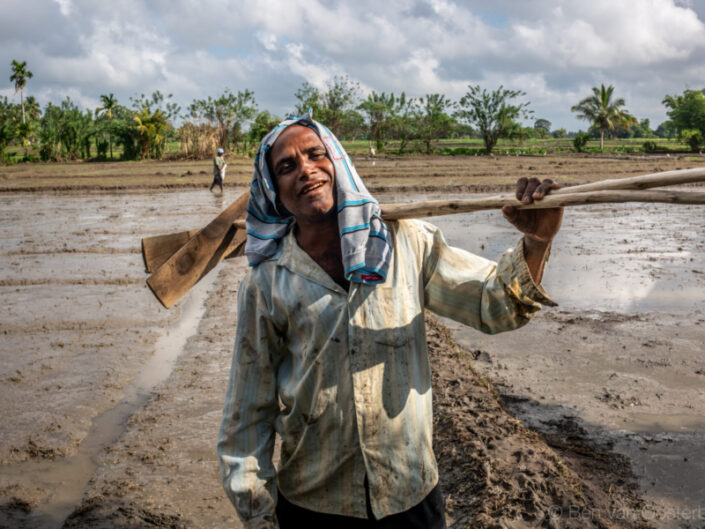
(32,108)
(19,76)
(109,104)
(602,112)
(151,128)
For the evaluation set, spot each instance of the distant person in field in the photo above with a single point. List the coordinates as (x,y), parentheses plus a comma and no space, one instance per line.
(330,345)
(218,170)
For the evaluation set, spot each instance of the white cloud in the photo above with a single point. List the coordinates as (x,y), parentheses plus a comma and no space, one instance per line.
(608,34)
(65,6)
(553,50)
(268,40)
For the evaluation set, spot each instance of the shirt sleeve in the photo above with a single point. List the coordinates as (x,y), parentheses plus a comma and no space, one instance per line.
(491,297)
(246,439)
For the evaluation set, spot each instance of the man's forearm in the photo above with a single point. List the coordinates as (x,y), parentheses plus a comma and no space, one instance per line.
(535,253)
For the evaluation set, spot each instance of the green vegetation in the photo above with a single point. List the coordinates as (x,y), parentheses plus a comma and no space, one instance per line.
(687,113)
(543,128)
(604,113)
(19,76)
(336,106)
(225,115)
(109,104)
(381,110)
(432,119)
(493,114)
(481,122)
(581,139)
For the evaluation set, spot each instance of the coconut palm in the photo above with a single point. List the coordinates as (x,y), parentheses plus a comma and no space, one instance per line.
(19,76)
(603,112)
(32,108)
(109,104)
(151,129)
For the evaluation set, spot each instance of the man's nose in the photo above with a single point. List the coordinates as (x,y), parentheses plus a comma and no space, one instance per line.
(307,168)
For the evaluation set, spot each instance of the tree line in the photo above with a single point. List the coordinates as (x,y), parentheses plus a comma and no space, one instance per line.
(234,122)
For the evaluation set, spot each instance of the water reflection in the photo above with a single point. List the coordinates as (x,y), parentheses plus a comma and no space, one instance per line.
(623,258)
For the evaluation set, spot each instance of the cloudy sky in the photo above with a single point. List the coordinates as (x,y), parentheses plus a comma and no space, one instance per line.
(554,50)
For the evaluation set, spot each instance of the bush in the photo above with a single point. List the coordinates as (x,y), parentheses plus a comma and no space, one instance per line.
(580,141)
(456,151)
(693,138)
(46,152)
(624,149)
(102,146)
(468,151)
(650,146)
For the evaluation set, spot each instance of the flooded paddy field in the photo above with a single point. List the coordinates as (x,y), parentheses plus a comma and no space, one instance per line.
(622,358)
(111,404)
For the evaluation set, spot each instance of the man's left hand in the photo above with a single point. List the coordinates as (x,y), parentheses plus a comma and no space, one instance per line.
(537,225)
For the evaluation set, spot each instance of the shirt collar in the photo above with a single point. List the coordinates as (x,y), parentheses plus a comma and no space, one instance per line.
(298,261)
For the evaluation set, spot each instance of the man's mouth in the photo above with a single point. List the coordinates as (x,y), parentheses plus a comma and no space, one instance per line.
(311,187)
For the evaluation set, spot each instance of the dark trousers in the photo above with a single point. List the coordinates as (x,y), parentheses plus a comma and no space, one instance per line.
(429,514)
(217,181)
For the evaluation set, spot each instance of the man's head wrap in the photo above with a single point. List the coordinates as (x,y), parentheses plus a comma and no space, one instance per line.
(364,237)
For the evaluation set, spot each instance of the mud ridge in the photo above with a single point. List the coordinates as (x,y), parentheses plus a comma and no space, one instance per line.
(82,281)
(497,473)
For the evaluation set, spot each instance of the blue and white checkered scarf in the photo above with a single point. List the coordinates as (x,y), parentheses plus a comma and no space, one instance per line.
(364,237)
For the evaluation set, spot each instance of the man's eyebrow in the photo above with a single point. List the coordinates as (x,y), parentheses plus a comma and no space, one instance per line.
(314,148)
(306,150)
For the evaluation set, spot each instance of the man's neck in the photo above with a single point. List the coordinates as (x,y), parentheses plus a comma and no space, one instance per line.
(321,241)
(317,236)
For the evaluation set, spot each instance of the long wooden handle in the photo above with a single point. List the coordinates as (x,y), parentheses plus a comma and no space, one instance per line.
(433,208)
(181,259)
(647,181)
(158,249)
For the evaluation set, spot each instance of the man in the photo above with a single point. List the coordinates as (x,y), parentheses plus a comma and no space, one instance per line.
(330,349)
(218,170)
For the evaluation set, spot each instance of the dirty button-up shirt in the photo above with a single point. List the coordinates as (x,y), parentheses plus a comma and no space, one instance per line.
(344,377)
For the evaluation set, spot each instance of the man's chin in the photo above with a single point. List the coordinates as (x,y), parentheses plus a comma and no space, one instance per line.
(319,215)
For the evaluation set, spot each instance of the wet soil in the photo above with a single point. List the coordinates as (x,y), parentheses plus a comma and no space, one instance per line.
(399,174)
(622,354)
(546,446)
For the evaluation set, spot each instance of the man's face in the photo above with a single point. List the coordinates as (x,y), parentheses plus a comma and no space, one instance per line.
(304,174)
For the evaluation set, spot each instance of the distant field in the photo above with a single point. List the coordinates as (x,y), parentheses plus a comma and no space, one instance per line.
(426,173)
(529,146)
(550,145)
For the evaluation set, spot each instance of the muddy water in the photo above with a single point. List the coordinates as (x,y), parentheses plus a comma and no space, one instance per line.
(67,478)
(628,258)
(623,353)
(84,340)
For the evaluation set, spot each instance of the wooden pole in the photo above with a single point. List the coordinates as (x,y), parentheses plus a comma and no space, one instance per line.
(662,179)
(432,208)
(178,265)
